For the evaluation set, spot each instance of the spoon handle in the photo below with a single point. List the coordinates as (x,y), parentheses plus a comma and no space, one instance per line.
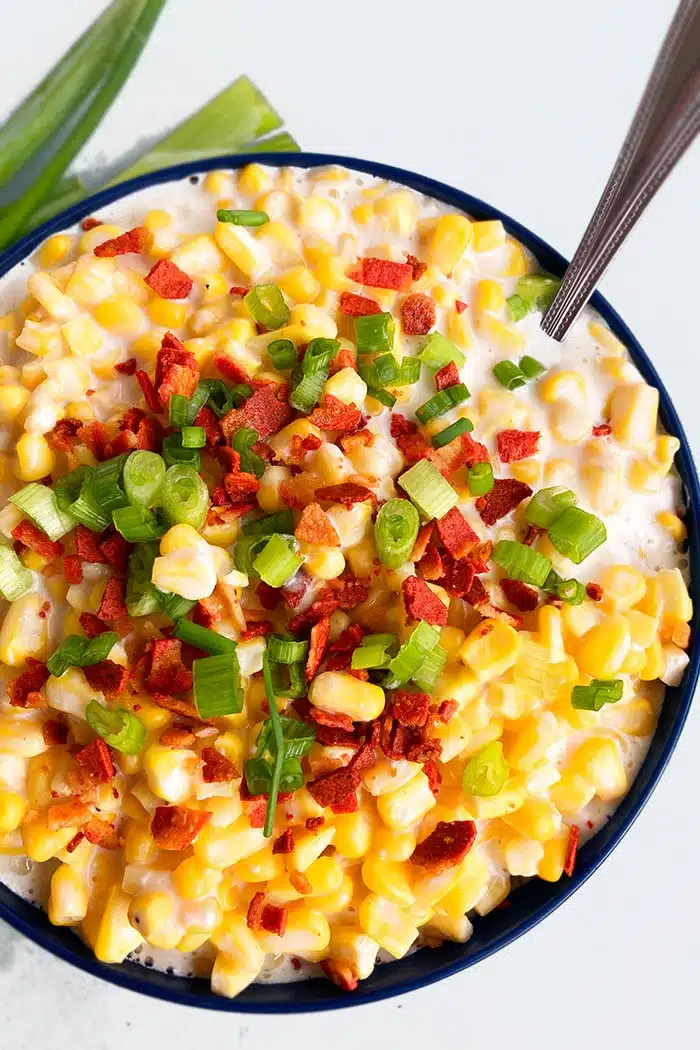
(666,122)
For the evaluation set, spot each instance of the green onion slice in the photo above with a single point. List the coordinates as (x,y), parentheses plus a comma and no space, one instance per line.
(546,505)
(432,494)
(277,561)
(194,437)
(121,729)
(179,410)
(455,430)
(136,524)
(509,375)
(596,694)
(266,306)
(173,605)
(409,372)
(217,685)
(411,656)
(284,649)
(251,462)
(437,352)
(538,290)
(141,599)
(576,534)
(280,521)
(517,307)
(430,669)
(520,562)
(395,532)
(15,579)
(442,402)
(283,354)
(383,396)
(278,739)
(374,333)
(289,680)
(174,452)
(184,496)
(486,772)
(531,367)
(106,483)
(143,478)
(203,638)
(67,488)
(39,504)
(241,217)
(480,479)
(76,651)
(86,510)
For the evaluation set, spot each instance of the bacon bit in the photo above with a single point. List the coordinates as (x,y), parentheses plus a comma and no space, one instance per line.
(255,809)
(112,606)
(75,842)
(67,815)
(176,827)
(401,426)
(594,592)
(460,307)
(96,760)
(238,289)
(241,486)
(332,719)
(90,223)
(411,709)
(176,369)
(458,574)
(178,707)
(92,625)
(63,435)
(116,551)
(447,376)
(55,733)
(23,691)
(347,493)
(230,369)
(297,589)
(446,846)
(300,883)
(31,536)
(177,736)
(312,443)
(137,240)
(216,768)
(87,544)
(206,419)
(383,273)
(348,592)
(209,611)
(602,430)
(336,790)
(148,390)
(334,414)
(360,439)
(456,534)
(425,535)
(316,527)
(269,597)
(167,673)
(316,611)
(421,603)
(263,411)
(340,973)
(131,419)
(285,842)
(447,710)
(431,565)
(463,451)
(257,630)
(357,305)
(520,595)
(572,849)
(126,368)
(318,642)
(532,534)
(255,911)
(314,823)
(418,314)
(101,833)
(504,497)
(514,445)
(348,640)
(274,919)
(434,776)
(418,267)
(168,281)
(107,677)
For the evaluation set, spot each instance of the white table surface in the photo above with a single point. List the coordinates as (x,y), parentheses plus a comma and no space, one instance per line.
(475,94)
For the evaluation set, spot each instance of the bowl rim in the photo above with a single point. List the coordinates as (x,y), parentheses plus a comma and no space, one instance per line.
(533,901)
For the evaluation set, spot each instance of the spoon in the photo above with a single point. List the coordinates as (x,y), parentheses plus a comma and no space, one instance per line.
(666,122)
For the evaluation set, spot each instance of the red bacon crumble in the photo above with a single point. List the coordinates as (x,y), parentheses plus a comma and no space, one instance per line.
(257,630)
(64,434)
(348,592)
(168,281)
(460,307)
(274,919)
(230,369)
(357,305)
(314,823)
(431,565)
(463,451)
(425,535)
(25,690)
(347,493)
(504,497)
(316,527)
(316,611)
(87,544)
(238,289)
(520,595)
(112,606)
(418,267)
(177,371)
(421,603)
(55,733)
(31,536)
(216,768)
(602,430)
(430,768)
(285,842)
(383,273)
(126,368)
(101,833)
(176,827)
(318,642)
(532,535)
(447,710)
(107,677)
(400,425)
(255,911)
(206,419)
(413,447)
(514,445)
(458,574)
(337,790)
(334,414)
(572,849)
(137,240)
(264,411)
(446,846)
(148,390)
(340,973)
(90,223)
(166,671)
(456,534)
(116,551)
(332,719)
(241,486)
(418,314)
(447,376)
(96,760)
(594,592)
(92,625)
(411,709)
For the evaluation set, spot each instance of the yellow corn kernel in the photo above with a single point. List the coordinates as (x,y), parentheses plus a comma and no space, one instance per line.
(633,412)
(488,297)
(451,238)
(598,759)
(504,335)
(470,885)
(603,648)
(34,457)
(675,525)
(677,604)
(665,450)
(317,215)
(387,924)
(299,284)
(24,631)
(193,881)
(326,563)
(354,833)
(551,633)
(254,179)
(309,846)
(606,340)
(169,772)
(153,916)
(634,662)
(68,897)
(347,386)
(260,867)
(407,805)
(41,338)
(228,978)
(179,537)
(488,235)
(510,798)
(54,250)
(536,819)
(551,865)
(221,847)
(351,947)
(562,386)
(516,259)
(268,495)
(115,936)
(339,692)
(491,648)
(98,235)
(642,628)
(363,213)
(636,718)
(245,251)
(218,183)
(119,314)
(534,736)
(527,471)
(307,935)
(83,336)
(571,793)
(326,877)
(167,313)
(56,303)
(623,587)
(398,212)
(13,398)
(393,844)
(12,810)
(40,843)
(655,663)
(139,847)
(388,879)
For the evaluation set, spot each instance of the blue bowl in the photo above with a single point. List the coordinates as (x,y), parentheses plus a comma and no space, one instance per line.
(534,900)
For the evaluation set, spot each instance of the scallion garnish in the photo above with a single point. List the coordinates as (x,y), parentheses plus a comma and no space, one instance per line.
(382,396)
(280,521)
(455,430)
(576,534)
(141,597)
(374,333)
(284,649)
(39,504)
(430,669)
(486,772)
(193,437)
(174,452)
(520,562)
(509,375)
(289,680)
(217,685)
(546,505)
(278,739)
(395,532)
(432,494)
(283,354)
(67,488)
(593,696)
(537,290)
(203,638)
(266,306)
(531,367)
(437,352)
(76,651)
(15,579)
(246,551)
(480,479)
(121,729)
(277,561)
(178,410)
(173,605)
(184,496)
(517,307)
(442,402)
(106,483)
(143,477)
(409,372)
(137,524)
(411,656)
(251,462)
(241,217)
(86,510)
(310,375)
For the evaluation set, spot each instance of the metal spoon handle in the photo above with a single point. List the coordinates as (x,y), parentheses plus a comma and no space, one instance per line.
(666,122)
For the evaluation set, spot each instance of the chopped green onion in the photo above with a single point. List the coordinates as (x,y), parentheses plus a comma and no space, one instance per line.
(374,333)
(220,397)
(121,729)
(297,739)
(509,375)
(277,562)
(395,532)
(386,640)
(310,375)
(76,651)
(185,496)
(570,591)
(442,402)
(251,462)
(280,521)
(174,452)
(106,483)
(455,430)
(246,550)
(480,479)
(143,478)
(437,352)
(593,696)
(67,488)
(266,306)
(86,509)
(430,669)
(196,402)
(194,437)
(284,649)
(179,410)
(369,657)
(319,354)
(386,369)
(486,772)
(432,494)
(531,367)
(411,656)
(39,504)
(538,290)
(289,680)
(546,505)
(240,217)
(141,598)
(576,534)
(217,685)
(15,579)
(517,307)
(203,638)
(283,354)
(278,738)
(383,396)
(520,562)
(173,605)
(409,372)
(136,524)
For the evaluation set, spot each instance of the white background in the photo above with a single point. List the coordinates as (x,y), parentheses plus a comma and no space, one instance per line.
(525,105)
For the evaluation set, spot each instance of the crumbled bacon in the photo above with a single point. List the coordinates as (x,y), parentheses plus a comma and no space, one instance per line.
(572,849)
(447,376)
(168,281)
(316,611)
(594,592)
(357,305)
(602,430)
(413,447)
(430,768)
(316,527)
(418,314)
(411,709)
(24,691)
(418,267)
(206,419)
(176,827)
(447,710)
(241,486)
(149,392)
(96,760)
(101,833)
(177,736)
(166,672)
(216,768)
(346,492)
(285,842)
(116,552)
(504,497)
(460,307)
(314,823)
(112,607)
(446,846)
(54,732)
(332,719)
(318,642)
(520,595)
(383,273)
(67,815)
(126,368)
(274,919)
(336,790)
(92,625)
(463,451)
(334,414)
(264,411)
(340,973)
(348,591)
(31,536)
(177,371)
(458,574)
(107,677)
(400,425)
(456,534)
(431,565)
(230,369)
(421,603)
(137,240)
(514,445)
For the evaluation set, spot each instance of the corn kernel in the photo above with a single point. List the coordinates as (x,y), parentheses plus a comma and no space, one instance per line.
(405,806)
(488,235)
(599,761)
(238,942)
(13,398)
(222,847)
(387,924)
(451,238)
(491,648)
(603,648)
(228,978)
(673,524)
(12,810)
(54,250)
(340,692)
(347,386)
(397,212)
(488,297)
(388,879)
(120,315)
(68,897)
(623,587)
(536,819)
(633,412)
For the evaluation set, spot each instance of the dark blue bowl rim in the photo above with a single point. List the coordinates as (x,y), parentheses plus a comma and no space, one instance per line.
(533,901)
